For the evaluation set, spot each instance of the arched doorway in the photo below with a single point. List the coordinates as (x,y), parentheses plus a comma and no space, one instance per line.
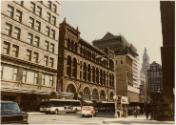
(71,88)
(102,96)
(95,95)
(111,96)
(86,94)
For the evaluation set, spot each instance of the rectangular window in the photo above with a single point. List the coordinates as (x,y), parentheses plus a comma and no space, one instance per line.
(31,22)
(19,2)
(29,55)
(17,32)
(49,4)
(19,15)
(9,73)
(51,81)
(8,29)
(47,31)
(10,11)
(53,34)
(39,11)
(48,16)
(15,50)
(38,25)
(33,7)
(51,62)
(30,77)
(30,38)
(35,57)
(24,76)
(46,45)
(52,48)
(46,60)
(53,20)
(6,48)
(55,8)
(43,79)
(35,78)
(36,41)
(46,80)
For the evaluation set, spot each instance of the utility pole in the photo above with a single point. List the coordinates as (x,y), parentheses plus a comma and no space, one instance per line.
(115,87)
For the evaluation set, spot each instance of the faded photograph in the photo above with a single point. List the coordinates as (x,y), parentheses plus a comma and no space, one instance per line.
(87,62)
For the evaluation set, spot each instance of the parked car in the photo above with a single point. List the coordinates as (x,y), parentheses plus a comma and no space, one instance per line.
(88,111)
(11,113)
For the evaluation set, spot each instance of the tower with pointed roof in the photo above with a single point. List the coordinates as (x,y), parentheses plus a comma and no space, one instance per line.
(145,64)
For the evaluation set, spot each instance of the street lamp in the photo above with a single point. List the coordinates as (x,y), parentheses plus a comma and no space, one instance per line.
(115,88)
(115,102)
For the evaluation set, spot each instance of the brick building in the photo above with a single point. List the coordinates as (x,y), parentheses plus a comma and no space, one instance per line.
(81,71)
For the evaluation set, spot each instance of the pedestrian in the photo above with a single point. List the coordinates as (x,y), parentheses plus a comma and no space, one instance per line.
(147,111)
(135,112)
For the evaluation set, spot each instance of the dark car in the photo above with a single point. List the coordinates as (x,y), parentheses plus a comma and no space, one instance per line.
(11,113)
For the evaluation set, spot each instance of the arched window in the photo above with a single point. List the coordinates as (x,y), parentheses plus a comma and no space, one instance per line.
(95,95)
(76,47)
(72,45)
(104,78)
(97,75)
(84,72)
(111,64)
(111,96)
(86,94)
(74,71)
(69,62)
(80,50)
(102,96)
(109,83)
(93,74)
(89,73)
(112,80)
(101,77)
(68,44)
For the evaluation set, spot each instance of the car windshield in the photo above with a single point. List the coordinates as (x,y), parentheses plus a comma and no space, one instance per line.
(87,107)
(9,108)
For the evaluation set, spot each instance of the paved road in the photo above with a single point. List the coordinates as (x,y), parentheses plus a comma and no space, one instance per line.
(36,118)
(76,119)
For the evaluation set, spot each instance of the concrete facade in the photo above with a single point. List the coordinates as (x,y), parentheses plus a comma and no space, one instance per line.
(29,51)
(83,72)
(155,84)
(127,65)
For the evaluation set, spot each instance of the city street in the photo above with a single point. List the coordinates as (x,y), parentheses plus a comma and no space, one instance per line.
(71,118)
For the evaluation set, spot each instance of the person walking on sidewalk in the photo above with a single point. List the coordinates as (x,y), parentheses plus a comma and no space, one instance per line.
(147,111)
(135,112)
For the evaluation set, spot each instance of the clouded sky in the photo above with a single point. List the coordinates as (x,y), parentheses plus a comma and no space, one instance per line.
(138,21)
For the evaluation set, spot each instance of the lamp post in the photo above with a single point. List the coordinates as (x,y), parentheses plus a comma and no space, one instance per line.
(115,88)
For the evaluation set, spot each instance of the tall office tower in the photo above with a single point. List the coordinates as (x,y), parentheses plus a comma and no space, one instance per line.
(145,63)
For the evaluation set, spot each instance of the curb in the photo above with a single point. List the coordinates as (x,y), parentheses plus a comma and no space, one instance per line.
(34,113)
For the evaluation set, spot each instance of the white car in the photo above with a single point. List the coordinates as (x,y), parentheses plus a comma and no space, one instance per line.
(88,111)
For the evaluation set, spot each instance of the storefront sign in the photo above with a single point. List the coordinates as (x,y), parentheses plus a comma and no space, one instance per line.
(124,100)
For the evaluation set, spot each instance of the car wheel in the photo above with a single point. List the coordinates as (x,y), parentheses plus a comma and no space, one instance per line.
(57,112)
(76,110)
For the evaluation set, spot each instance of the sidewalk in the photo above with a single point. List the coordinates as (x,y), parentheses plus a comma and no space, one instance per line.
(34,113)
(133,120)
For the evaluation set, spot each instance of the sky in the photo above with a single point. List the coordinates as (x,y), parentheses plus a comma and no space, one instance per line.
(138,21)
